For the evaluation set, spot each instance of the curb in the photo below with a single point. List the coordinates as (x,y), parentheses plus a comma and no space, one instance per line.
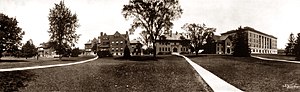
(214,82)
(297,62)
(45,66)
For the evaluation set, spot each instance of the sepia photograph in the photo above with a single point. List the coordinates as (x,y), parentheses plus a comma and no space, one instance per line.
(149,46)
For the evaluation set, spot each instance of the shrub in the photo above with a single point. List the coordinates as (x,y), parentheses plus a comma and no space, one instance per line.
(126,52)
(184,53)
(104,54)
(163,53)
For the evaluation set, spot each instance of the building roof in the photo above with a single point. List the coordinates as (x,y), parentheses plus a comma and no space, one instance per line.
(224,37)
(177,36)
(134,41)
(249,29)
(125,36)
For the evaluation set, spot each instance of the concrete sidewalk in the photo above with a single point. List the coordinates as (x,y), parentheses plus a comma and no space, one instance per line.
(216,83)
(262,58)
(46,66)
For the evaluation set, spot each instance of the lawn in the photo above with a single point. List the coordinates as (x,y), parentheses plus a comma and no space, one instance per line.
(253,75)
(166,74)
(18,62)
(275,56)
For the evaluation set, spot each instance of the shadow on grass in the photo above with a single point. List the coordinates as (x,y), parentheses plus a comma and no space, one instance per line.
(13,81)
(139,58)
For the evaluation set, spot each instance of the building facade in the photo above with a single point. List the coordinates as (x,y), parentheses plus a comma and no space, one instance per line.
(44,50)
(88,47)
(135,47)
(114,43)
(173,43)
(259,42)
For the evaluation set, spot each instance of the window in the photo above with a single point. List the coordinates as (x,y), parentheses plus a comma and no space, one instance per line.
(121,41)
(169,49)
(112,42)
(159,49)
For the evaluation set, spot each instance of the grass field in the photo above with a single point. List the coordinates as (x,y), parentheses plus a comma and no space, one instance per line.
(11,63)
(167,74)
(253,75)
(275,56)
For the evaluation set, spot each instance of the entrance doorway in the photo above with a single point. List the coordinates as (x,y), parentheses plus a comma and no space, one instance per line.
(174,49)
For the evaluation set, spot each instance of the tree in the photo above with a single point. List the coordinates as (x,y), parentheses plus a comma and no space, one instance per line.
(94,45)
(210,45)
(289,49)
(297,47)
(10,34)
(62,28)
(29,50)
(240,43)
(153,16)
(75,52)
(198,33)
(126,52)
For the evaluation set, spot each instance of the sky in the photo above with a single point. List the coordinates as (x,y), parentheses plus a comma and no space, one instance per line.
(275,17)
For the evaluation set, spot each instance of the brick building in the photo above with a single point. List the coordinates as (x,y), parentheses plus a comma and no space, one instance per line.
(135,47)
(114,43)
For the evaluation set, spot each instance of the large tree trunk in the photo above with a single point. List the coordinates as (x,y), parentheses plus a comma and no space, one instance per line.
(154,50)
(197,52)
(60,57)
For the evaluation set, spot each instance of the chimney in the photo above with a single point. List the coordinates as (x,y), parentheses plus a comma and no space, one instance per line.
(170,33)
(187,36)
(101,33)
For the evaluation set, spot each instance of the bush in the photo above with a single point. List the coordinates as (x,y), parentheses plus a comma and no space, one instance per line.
(184,53)
(126,52)
(75,52)
(163,53)
(104,54)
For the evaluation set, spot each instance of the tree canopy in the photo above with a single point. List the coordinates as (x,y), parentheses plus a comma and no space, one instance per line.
(10,34)
(240,43)
(29,50)
(152,16)
(289,49)
(198,33)
(297,47)
(62,28)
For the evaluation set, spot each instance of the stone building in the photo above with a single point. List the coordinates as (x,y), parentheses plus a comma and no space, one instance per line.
(259,42)
(173,43)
